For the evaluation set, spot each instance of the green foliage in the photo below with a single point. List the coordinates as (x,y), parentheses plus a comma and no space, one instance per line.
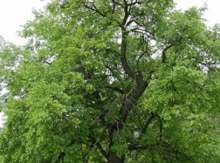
(112,81)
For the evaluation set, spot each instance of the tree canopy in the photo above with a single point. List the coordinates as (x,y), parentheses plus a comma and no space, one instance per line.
(112,81)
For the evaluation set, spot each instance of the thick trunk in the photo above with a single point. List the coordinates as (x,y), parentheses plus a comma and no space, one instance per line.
(113,158)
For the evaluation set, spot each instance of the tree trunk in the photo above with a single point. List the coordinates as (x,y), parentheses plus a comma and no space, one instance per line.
(113,158)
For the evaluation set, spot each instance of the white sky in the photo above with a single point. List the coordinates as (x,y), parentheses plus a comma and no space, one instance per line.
(212,14)
(14,13)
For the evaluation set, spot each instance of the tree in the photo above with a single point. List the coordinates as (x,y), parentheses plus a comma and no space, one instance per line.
(112,81)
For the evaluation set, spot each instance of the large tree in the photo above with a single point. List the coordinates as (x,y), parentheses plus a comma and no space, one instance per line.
(112,81)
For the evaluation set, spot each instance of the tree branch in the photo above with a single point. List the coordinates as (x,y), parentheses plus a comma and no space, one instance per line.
(61,157)
(161,130)
(150,73)
(134,3)
(94,9)
(95,142)
(102,150)
(140,58)
(130,148)
(125,66)
(117,3)
(93,4)
(164,53)
(126,13)
(148,123)
(113,73)
(115,89)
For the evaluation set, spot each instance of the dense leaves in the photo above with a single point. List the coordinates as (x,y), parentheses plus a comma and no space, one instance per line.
(112,81)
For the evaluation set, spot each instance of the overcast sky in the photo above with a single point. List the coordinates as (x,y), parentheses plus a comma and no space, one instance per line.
(14,13)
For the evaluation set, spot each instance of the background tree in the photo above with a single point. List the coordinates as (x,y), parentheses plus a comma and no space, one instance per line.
(112,81)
